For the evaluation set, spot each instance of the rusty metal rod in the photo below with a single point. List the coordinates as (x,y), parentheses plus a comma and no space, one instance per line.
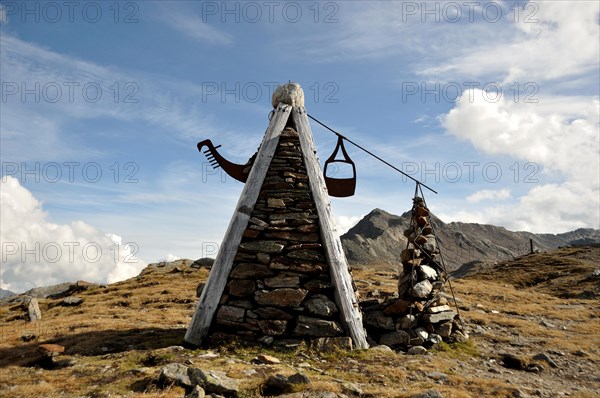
(371,153)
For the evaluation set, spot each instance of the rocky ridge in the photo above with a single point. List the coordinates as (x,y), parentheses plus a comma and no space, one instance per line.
(379,238)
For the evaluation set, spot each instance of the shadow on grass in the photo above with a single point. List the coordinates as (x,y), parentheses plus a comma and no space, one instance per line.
(96,343)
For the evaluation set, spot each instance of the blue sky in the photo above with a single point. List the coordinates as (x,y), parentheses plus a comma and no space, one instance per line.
(493,104)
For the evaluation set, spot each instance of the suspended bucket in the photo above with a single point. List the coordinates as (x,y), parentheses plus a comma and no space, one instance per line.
(340,187)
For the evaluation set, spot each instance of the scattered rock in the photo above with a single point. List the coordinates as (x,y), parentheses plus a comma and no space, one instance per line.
(279,384)
(428,394)
(352,390)
(267,360)
(382,348)
(175,373)
(513,361)
(71,301)
(197,392)
(437,376)
(417,350)
(203,263)
(28,336)
(545,357)
(33,310)
(214,382)
(581,353)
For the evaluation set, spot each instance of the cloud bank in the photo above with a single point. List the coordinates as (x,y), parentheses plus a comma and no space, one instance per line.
(36,252)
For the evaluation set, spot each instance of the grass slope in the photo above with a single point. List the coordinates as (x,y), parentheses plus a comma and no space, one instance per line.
(123,333)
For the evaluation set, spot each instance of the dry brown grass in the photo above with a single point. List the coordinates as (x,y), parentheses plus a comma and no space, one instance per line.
(120,337)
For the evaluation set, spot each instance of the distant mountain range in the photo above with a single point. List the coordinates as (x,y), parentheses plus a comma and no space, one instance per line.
(379,238)
(5,293)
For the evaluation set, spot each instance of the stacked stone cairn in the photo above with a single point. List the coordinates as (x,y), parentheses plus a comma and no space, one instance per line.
(421,314)
(279,289)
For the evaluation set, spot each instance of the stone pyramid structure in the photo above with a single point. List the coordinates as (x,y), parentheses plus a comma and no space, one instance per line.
(281,273)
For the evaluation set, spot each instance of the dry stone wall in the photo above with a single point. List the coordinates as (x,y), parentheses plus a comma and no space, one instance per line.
(279,288)
(421,315)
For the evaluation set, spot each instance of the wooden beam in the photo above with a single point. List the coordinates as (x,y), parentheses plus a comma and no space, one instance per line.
(334,252)
(217,279)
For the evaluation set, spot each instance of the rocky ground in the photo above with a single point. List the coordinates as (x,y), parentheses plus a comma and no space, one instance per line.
(533,324)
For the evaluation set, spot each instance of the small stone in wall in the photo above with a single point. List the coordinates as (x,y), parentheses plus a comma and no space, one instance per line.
(422,289)
(399,337)
(275,202)
(320,305)
(316,327)
(285,297)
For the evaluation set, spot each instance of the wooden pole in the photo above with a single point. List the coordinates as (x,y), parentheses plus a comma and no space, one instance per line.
(334,252)
(215,285)
(531,246)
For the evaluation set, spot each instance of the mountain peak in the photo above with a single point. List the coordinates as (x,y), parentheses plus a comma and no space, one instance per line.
(379,238)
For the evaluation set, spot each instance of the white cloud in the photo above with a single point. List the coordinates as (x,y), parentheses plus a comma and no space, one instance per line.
(36,252)
(193,27)
(551,40)
(170,257)
(344,223)
(563,140)
(488,194)
(547,208)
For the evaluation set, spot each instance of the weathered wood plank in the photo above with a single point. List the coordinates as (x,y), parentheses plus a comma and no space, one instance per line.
(215,285)
(334,252)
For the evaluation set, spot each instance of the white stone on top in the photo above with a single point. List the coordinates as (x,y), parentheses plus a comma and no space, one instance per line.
(290,93)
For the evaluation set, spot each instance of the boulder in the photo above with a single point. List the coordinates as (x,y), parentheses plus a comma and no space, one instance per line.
(279,384)
(71,301)
(33,310)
